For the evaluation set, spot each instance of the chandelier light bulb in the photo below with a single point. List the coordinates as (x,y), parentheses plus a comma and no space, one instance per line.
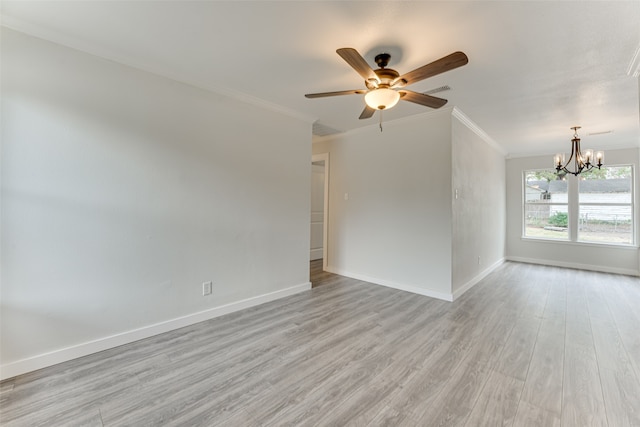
(588,156)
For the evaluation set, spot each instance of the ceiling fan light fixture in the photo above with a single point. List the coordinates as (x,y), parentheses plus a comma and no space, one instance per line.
(382,99)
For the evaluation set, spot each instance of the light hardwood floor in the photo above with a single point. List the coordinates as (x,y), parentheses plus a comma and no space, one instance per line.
(320,277)
(528,346)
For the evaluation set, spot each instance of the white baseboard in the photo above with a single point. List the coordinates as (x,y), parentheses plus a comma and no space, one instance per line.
(394,285)
(471,283)
(590,267)
(315,254)
(23,366)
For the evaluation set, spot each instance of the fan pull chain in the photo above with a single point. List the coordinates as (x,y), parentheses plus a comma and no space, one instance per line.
(381,120)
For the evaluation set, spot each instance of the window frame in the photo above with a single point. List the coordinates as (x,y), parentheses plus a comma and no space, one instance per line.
(573,211)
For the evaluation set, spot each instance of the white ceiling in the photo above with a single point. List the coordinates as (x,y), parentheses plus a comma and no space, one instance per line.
(535,68)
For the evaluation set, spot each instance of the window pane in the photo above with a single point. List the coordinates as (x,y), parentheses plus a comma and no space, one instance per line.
(546,221)
(542,186)
(544,217)
(598,221)
(605,224)
(608,185)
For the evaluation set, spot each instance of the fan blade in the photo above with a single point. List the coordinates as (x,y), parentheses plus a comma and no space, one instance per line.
(449,62)
(422,99)
(357,62)
(367,113)
(341,92)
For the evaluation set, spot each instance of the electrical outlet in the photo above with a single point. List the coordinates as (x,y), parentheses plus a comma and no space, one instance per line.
(206,288)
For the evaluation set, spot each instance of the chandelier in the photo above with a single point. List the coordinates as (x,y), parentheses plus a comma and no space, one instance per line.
(578,162)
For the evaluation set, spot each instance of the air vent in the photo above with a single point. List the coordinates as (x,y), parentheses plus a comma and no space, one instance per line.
(319,129)
(438,89)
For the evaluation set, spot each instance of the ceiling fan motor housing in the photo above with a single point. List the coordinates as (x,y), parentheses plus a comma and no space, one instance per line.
(385,75)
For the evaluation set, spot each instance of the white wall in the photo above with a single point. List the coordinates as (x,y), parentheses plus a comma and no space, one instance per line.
(478,175)
(123,191)
(395,227)
(401,226)
(578,255)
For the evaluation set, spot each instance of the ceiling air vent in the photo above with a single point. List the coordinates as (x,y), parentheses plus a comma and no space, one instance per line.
(323,130)
(438,89)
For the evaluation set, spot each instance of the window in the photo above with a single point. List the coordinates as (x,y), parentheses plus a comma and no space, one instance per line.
(545,205)
(595,207)
(605,206)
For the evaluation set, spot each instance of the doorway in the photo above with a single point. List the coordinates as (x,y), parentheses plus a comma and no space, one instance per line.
(318,253)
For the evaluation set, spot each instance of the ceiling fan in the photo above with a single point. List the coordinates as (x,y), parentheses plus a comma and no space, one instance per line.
(385,86)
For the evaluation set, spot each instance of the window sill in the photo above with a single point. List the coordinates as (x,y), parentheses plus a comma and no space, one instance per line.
(580,243)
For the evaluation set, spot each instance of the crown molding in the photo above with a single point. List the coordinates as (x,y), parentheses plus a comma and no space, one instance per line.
(91,49)
(449,111)
(634,65)
(477,130)
(396,122)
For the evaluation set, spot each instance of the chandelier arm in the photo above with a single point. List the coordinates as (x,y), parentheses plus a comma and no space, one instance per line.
(567,171)
(575,159)
(575,148)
